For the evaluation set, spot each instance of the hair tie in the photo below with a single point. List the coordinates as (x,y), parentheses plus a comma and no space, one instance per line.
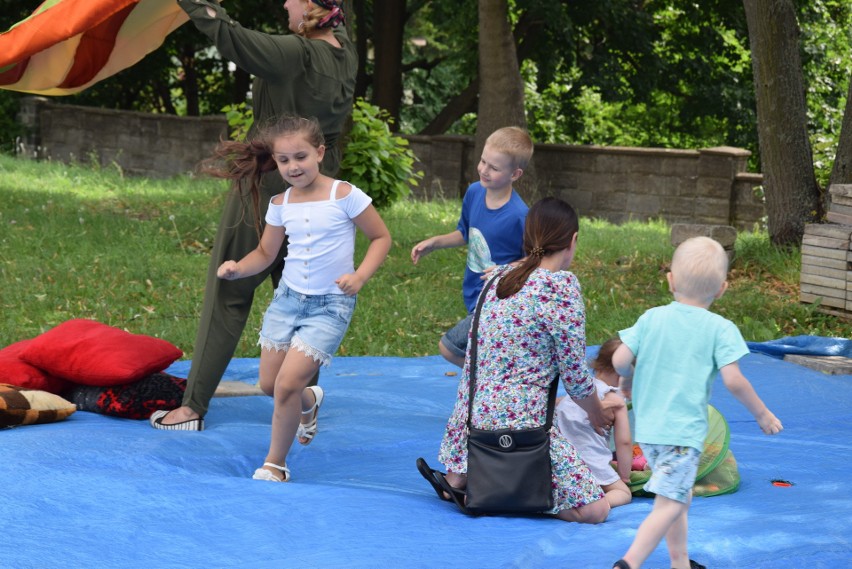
(537,252)
(335,15)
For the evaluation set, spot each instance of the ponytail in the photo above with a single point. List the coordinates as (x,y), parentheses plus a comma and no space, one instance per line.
(235,161)
(550,227)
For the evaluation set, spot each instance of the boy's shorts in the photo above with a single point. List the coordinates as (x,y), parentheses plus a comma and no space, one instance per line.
(673,470)
(455,339)
(314,324)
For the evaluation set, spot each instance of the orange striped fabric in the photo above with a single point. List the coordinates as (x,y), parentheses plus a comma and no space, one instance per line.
(68,45)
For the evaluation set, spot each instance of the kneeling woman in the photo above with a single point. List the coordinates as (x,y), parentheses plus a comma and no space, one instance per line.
(532,327)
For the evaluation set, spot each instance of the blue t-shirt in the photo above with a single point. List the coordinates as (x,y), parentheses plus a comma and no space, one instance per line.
(679,351)
(493,236)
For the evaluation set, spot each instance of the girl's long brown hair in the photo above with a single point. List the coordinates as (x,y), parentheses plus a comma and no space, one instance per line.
(250,160)
(550,227)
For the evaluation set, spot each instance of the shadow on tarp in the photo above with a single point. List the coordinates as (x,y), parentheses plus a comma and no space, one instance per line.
(95,491)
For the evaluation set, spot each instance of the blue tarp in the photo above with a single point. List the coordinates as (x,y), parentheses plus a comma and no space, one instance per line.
(803,346)
(95,491)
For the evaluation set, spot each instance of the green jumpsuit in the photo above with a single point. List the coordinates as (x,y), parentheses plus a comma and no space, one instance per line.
(293,75)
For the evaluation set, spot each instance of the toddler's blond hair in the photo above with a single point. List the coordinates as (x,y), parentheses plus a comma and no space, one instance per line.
(699,268)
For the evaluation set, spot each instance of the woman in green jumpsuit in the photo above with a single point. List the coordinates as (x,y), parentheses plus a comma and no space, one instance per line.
(309,73)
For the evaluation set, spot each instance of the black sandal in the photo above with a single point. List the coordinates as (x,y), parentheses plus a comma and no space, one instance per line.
(435,479)
(620,564)
(431,477)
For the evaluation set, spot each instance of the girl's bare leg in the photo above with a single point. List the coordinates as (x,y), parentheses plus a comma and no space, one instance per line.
(295,372)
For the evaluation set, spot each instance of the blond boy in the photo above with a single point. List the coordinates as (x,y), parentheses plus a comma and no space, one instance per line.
(491,224)
(678,350)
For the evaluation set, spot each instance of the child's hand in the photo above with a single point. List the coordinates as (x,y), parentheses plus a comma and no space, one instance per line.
(769,423)
(422,249)
(228,271)
(350,284)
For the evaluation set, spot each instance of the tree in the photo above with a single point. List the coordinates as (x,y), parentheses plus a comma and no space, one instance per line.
(387,72)
(793,197)
(501,92)
(841,171)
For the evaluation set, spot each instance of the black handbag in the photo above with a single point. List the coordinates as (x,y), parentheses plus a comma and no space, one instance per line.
(508,470)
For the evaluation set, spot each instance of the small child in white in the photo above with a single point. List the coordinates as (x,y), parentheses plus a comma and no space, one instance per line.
(678,351)
(594,449)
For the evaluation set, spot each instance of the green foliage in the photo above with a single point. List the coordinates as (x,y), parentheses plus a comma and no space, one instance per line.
(240,118)
(826,42)
(10,128)
(376,160)
(134,254)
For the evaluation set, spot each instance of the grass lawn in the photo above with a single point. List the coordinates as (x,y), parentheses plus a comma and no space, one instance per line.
(83,242)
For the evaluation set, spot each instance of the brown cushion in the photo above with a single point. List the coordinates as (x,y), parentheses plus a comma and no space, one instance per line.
(22,406)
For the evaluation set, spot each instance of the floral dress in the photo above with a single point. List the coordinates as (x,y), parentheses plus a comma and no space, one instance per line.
(523,342)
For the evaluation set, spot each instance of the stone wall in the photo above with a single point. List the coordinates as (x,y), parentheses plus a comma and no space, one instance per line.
(142,144)
(707,186)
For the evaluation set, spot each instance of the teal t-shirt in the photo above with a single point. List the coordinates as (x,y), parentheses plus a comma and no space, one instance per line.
(679,350)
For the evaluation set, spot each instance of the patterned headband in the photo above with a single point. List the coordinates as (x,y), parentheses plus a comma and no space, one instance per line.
(335,15)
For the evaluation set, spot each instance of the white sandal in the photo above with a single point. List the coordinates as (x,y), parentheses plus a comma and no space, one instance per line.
(264,474)
(309,430)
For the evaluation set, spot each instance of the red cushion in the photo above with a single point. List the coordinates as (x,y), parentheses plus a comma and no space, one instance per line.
(15,371)
(91,353)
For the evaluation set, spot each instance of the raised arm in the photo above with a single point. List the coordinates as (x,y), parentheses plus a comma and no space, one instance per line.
(256,52)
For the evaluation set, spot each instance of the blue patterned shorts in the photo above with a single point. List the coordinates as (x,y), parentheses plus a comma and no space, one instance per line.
(673,470)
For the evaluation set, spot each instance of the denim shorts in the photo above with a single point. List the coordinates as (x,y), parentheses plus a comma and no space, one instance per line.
(673,470)
(455,339)
(314,324)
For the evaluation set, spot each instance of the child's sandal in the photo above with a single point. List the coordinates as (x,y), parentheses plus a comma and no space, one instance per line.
(269,476)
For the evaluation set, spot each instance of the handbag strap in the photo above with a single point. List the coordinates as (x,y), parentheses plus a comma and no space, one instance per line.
(474,333)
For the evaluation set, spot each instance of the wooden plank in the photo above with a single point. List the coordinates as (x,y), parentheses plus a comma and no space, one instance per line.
(823,290)
(842,190)
(838,264)
(822,271)
(832,365)
(838,312)
(829,230)
(836,284)
(823,252)
(236,389)
(841,207)
(825,242)
(839,218)
(822,300)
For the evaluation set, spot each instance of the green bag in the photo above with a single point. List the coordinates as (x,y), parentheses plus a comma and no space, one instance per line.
(717,469)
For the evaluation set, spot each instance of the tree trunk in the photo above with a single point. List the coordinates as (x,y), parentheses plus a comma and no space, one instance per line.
(389,22)
(793,197)
(356,23)
(501,92)
(841,171)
